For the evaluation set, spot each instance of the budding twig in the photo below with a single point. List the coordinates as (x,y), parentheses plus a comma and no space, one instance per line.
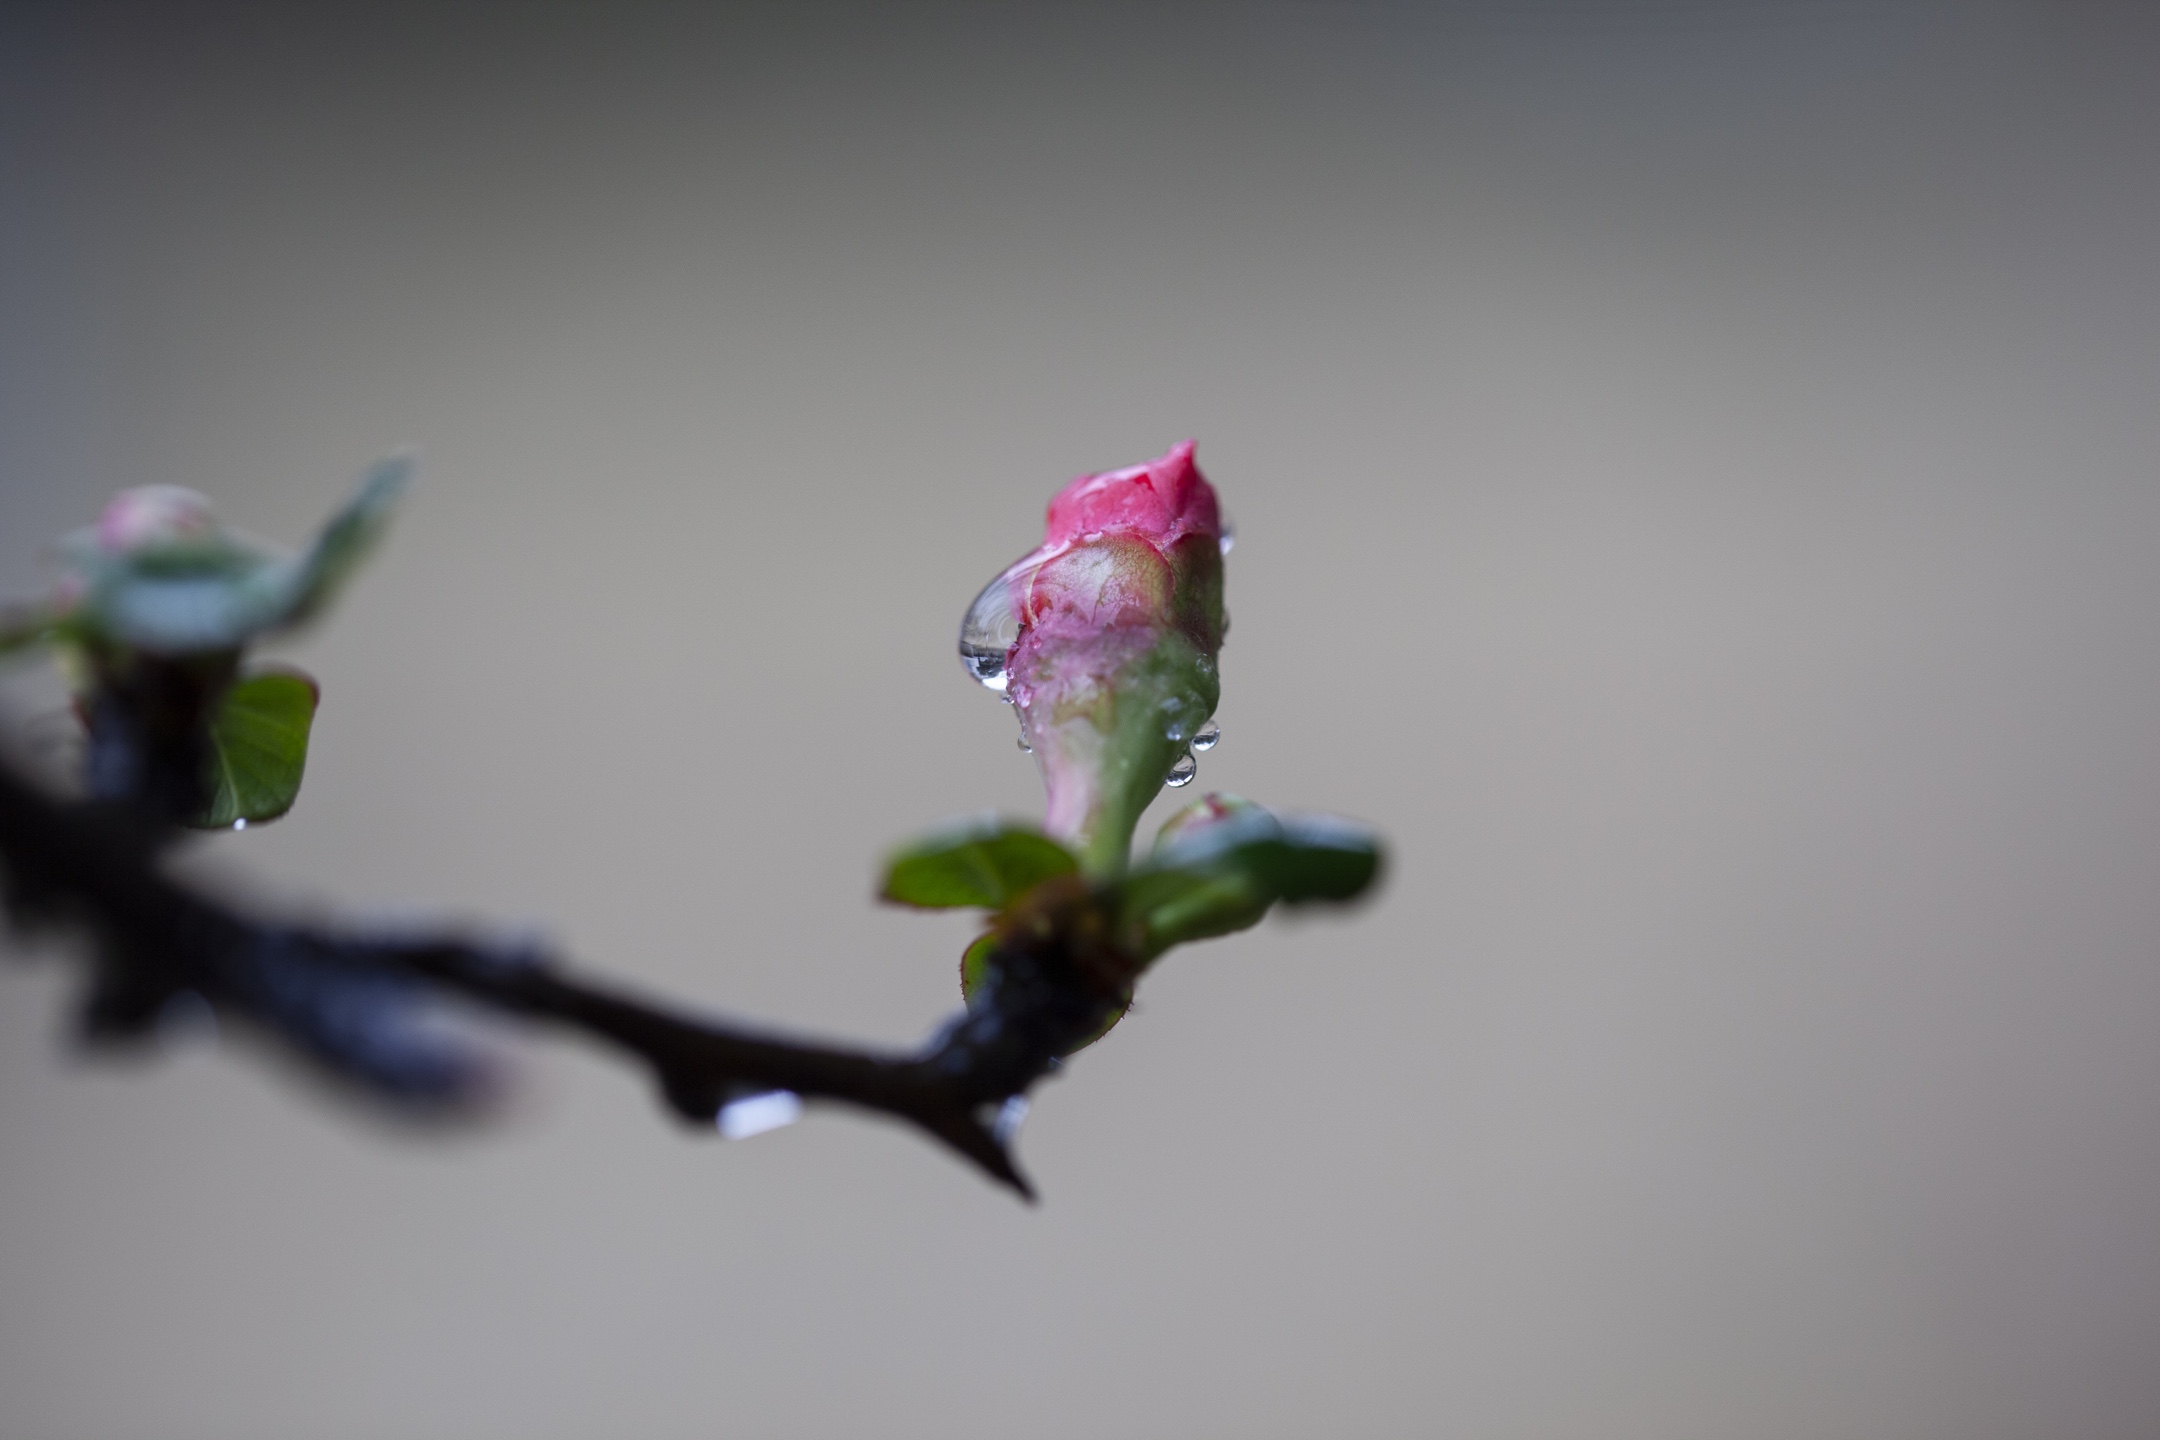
(338,999)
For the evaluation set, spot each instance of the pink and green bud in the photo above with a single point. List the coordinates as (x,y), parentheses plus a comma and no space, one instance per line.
(158,575)
(1105,638)
(154,517)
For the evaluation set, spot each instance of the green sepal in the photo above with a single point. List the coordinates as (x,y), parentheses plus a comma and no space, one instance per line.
(975,966)
(258,748)
(986,864)
(1161,908)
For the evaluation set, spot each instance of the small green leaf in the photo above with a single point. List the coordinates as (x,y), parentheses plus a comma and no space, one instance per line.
(1317,857)
(1222,874)
(346,539)
(985,865)
(258,743)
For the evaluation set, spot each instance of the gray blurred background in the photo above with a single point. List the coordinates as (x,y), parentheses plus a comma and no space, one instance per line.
(1694,467)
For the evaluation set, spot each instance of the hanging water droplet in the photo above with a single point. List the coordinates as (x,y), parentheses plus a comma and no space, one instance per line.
(1209,737)
(990,627)
(239,824)
(755,1114)
(1030,749)
(1009,1116)
(1227,539)
(186,1019)
(1182,773)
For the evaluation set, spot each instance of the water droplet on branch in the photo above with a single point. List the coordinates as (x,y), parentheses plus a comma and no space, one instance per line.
(1182,773)
(755,1114)
(1209,737)
(1009,1116)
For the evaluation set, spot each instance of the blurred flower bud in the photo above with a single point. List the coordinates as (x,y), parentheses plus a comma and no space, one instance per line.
(152,517)
(158,575)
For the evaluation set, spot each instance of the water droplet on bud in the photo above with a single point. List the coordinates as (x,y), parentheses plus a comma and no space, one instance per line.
(1227,539)
(1182,773)
(1209,737)
(239,824)
(991,626)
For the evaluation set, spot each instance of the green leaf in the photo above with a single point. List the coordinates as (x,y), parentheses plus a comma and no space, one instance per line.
(988,865)
(1224,874)
(258,743)
(346,540)
(1317,857)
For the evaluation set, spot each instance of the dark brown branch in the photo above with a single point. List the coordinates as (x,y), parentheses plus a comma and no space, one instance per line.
(351,1003)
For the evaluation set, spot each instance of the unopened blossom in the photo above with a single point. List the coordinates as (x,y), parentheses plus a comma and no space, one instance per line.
(151,517)
(1114,624)
(157,574)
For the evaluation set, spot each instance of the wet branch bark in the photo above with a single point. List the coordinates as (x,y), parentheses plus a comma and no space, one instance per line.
(355,1005)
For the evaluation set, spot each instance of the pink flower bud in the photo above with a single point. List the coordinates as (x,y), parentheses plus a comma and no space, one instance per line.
(1105,637)
(150,517)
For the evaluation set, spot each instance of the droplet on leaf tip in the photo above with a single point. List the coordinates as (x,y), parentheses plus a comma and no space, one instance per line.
(1209,737)
(1182,773)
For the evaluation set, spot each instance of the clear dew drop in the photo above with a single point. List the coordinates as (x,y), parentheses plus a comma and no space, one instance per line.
(1228,538)
(1182,773)
(1209,737)
(755,1114)
(239,824)
(1029,749)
